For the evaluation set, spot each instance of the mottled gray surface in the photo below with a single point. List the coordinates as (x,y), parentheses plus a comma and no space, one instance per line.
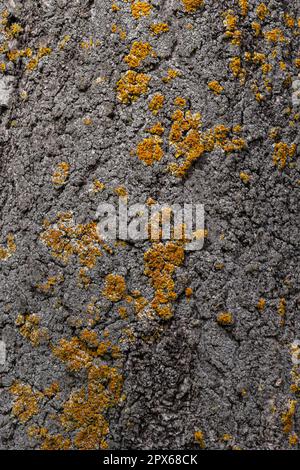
(194,374)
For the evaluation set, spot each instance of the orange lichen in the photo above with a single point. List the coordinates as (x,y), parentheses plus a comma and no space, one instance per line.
(49,441)
(227,437)
(52,390)
(61,174)
(83,413)
(156,103)
(159,28)
(225,318)
(149,150)
(157,129)
(288,416)
(189,292)
(131,86)
(274,35)
(121,191)
(289,21)
(123,312)
(282,152)
(282,310)
(74,353)
(28,325)
(230,22)
(51,282)
(238,71)
(244,7)
(161,262)
(11,248)
(256,28)
(261,304)
(26,402)
(115,287)
(244,177)
(34,62)
(215,87)
(140,9)
(171,74)
(66,239)
(64,41)
(262,11)
(87,121)
(139,51)
(199,439)
(98,187)
(191,6)
(190,142)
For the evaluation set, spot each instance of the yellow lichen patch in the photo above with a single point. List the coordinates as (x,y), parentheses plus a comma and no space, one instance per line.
(66,239)
(289,21)
(293,439)
(51,282)
(74,353)
(49,441)
(61,174)
(215,87)
(256,27)
(98,187)
(121,191)
(283,152)
(225,318)
(244,7)
(171,74)
(227,437)
(238,71)
(28,325)
(34,62)
(156,103)
(190,142)
(230,22)
(159,28)
(140,9)
(199,439)
(261,304)
(180,102)
(274,36)
(139,51)
(52,390)
(288,416)
(262,11)
(131,86)
(64,41)
(87,121)
(123,312)
(189,292)
(84,280)
(115,287)
(157,129)
(26,402)
(192,5)
(83,413)
(117,29)
(282,310)
(161,262)
(244,177)
(149,150)
(10,249)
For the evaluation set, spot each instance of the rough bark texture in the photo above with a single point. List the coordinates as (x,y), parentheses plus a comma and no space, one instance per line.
(133,379)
